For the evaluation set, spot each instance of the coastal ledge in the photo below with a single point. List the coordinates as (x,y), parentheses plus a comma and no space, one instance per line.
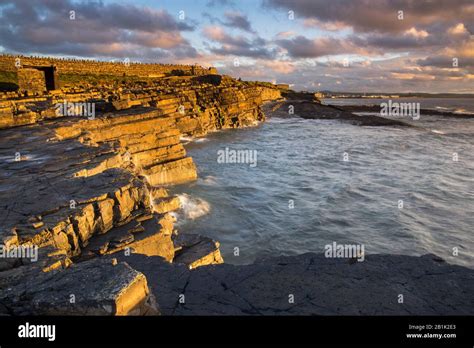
(84,190)
(306,105)
(307,284)
(319,286)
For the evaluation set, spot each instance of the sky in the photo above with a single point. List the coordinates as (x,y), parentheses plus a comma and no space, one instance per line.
(338,45)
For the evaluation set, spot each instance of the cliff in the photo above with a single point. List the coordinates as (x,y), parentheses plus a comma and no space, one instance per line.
(81,186)
(87,186)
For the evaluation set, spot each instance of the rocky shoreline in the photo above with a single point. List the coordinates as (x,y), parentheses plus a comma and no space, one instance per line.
(90,194)
(307,106)
(423,112)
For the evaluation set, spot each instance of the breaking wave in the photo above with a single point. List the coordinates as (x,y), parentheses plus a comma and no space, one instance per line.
(192,207)
(209,180)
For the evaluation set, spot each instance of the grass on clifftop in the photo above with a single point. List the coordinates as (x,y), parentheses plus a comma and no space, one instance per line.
(8,81)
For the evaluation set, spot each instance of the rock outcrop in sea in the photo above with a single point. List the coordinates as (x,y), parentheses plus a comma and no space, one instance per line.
(84,172)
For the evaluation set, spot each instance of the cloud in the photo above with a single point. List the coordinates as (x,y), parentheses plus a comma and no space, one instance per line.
(238,20)
(283,67)
(233,19)
(458,29)
(302,47)
(98,29)
(236,45)
(383,52)
(329,26)
(285,34)
(380,16)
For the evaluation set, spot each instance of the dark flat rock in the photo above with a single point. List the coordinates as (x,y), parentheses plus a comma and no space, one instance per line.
(305,105)
(319,285)
(423,112)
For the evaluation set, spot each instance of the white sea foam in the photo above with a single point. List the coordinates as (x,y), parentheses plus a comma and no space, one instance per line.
(193,207)
(185,140)
(209,180)
(437,131)
(462,111)
(201,140)
(188,140)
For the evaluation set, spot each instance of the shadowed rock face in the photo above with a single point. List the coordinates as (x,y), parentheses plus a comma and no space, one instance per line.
(84,188)
(86,191)
(97,287)
(319,285)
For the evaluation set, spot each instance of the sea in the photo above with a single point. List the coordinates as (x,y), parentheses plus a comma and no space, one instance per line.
(406,191)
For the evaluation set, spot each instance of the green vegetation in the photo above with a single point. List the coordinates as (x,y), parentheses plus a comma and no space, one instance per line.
(8,81)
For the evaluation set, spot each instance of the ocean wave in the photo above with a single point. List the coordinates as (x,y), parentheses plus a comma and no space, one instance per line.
(185,138)
(192,207)
(188,140)
(209,180)
(201,140)
(462,111)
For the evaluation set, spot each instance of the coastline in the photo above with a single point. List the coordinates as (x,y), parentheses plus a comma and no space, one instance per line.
(93,198)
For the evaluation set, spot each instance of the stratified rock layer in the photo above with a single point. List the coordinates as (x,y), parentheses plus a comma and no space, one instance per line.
(84,188)
(89,190)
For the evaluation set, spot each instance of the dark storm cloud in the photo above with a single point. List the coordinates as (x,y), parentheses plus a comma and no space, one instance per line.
(99,29)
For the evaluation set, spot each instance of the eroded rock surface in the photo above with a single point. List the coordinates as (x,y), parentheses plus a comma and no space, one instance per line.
(319,286)
(89,190)
(83,189)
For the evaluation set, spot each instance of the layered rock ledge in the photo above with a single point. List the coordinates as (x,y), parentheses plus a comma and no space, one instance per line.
(90,193)
(83,187)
